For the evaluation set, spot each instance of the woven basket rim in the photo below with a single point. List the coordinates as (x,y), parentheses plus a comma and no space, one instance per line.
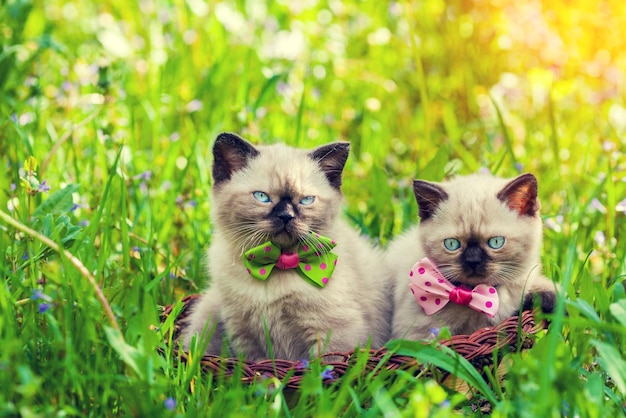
(480,348)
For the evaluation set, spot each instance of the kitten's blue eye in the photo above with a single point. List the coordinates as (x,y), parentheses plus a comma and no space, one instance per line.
(307,200)
(451,244)
(261,197)
(495,242)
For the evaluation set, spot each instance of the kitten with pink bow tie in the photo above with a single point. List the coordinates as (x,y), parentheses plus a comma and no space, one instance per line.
(474,258)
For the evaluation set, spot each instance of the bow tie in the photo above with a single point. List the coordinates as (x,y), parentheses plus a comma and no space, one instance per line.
(432,291)
(314,262)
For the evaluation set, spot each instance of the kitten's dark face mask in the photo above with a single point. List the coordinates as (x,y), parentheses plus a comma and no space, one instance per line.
(468,261)
(287,222)
(474,260)
(284,216)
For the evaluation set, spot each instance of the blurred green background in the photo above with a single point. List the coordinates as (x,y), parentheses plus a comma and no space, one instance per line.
(421,89)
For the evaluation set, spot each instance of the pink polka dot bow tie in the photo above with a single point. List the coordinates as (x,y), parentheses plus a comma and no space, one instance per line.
(432,291)
(313,262)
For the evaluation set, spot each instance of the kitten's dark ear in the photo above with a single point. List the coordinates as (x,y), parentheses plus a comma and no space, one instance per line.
(331,159)
(521,195)
(230,153)
(429,196)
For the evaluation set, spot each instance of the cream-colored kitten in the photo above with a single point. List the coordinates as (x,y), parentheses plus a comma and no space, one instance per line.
(280,194)
(475,229)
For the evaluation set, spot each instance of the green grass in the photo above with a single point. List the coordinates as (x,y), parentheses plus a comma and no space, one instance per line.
(119,103)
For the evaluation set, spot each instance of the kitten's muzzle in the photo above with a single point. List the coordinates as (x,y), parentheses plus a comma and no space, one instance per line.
(474,260)
(285,217)
(284,211)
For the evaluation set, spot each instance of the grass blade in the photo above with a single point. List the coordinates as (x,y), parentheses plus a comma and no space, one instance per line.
(445,359)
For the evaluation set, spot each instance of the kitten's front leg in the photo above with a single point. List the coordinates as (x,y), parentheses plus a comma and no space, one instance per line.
(246,342)
(322,347)
(204,323)
(342,339)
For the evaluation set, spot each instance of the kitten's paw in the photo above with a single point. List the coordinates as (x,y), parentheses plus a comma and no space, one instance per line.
(544,300)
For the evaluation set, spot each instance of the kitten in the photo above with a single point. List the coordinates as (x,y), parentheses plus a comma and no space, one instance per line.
(475,229)
(287,196)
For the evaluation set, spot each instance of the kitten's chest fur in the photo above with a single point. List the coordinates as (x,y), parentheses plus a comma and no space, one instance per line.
(285,316)
(274,321)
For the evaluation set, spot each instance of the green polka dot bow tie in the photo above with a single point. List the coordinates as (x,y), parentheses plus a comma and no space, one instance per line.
(314,262)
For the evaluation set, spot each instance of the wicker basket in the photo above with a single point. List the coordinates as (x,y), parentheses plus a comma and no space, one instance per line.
(481,348)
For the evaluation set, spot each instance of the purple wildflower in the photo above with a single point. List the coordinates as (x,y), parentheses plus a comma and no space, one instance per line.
(599,238)
(44,307)
(167,185)
(621,206)
(76,206)
(327,374)
(193,106)
(170,403)
(596,205)
(13,187)
(282,87)
(38,294)
(434,332)
(304,363)
(43,187)
(25,256)
(555,223)
(608,146)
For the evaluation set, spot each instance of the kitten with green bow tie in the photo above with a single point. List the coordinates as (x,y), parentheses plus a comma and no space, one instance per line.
(289,277)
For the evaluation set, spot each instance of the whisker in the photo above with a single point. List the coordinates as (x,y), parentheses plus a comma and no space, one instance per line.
(246,235)
(317,243)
